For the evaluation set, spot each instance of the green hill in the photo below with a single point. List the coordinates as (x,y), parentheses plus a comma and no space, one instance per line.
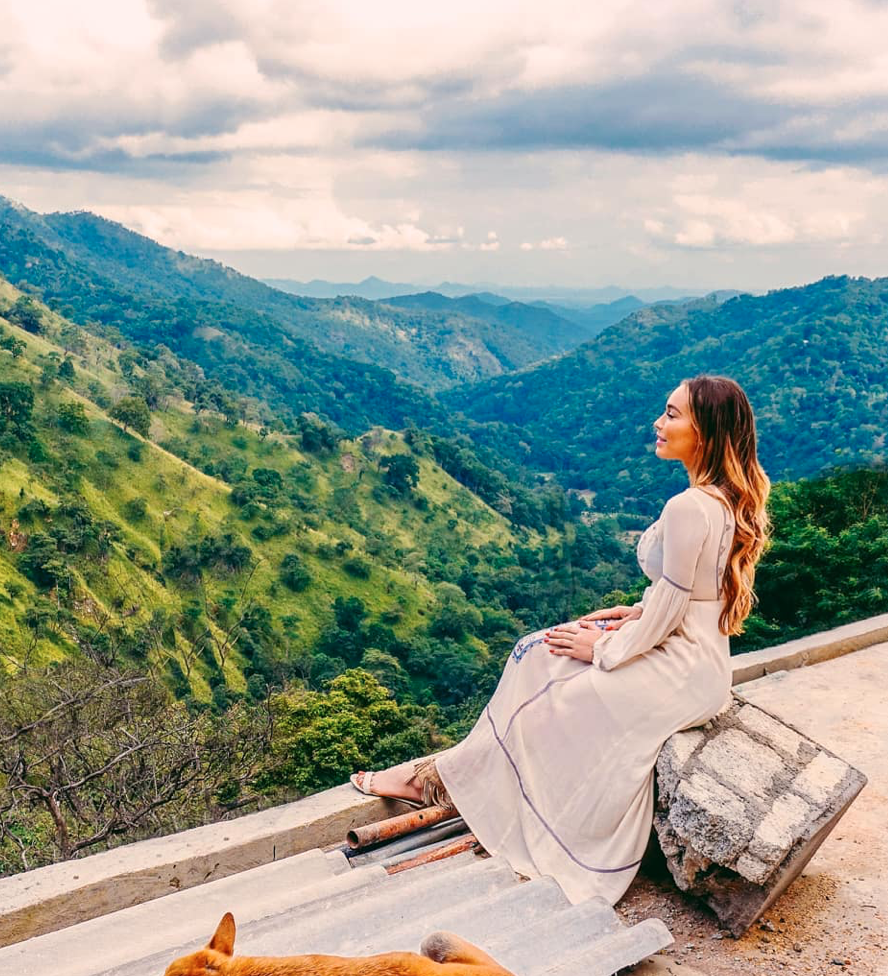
(93,269)
(523,334)
(200,613)
(222,550)
(593,319)
(814,361)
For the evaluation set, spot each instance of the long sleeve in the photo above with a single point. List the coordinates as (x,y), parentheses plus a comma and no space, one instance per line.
(684,526)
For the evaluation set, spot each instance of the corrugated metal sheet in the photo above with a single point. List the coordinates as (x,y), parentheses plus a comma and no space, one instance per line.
(318,903)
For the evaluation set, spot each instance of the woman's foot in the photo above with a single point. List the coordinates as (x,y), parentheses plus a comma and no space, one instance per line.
(397,782)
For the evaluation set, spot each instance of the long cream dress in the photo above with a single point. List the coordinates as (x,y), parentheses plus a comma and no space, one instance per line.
(558,773)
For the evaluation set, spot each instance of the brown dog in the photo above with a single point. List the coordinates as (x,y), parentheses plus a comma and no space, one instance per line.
(443,954)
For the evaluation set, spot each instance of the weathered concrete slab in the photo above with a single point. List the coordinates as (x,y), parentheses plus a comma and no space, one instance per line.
(743,805)
(50,898)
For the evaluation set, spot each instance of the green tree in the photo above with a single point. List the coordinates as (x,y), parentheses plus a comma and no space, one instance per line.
(320,738)
(10,342)
(293,573)
(66,370)
(42,562)
(72,418)
(26,314)
(16,405)
(401,473)
(132,411)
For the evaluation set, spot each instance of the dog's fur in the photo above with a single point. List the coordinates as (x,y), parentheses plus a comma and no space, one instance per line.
(443,954)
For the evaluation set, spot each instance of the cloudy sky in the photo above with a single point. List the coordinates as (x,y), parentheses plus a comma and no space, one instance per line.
(694,143)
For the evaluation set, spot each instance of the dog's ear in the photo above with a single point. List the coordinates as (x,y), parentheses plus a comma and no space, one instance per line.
(223,937)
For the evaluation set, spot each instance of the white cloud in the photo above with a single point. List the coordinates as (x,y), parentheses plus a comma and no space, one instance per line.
(213,222)
(228,125)
(776,206)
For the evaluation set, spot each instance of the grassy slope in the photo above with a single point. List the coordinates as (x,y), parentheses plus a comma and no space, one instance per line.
(182,500)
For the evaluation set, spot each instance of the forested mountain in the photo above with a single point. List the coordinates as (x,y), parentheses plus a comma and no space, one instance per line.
(241,349)
(378,517)
(213,612)
(529,332)
(372,287)
(593,319)
(814,361)
(96,270)
(555,295)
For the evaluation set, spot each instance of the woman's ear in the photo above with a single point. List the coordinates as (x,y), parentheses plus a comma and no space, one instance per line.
(223,937)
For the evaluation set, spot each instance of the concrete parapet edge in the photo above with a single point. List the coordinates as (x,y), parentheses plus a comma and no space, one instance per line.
(53,897)
(822,646)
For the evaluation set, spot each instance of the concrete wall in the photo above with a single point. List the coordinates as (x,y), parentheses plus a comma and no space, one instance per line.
(50,898)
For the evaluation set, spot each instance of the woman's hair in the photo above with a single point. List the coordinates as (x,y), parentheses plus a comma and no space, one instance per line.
(726,458)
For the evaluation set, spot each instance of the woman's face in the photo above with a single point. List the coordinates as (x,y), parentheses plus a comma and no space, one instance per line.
(676,437)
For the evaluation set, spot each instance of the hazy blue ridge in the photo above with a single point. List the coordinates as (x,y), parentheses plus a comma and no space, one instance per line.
(378,288)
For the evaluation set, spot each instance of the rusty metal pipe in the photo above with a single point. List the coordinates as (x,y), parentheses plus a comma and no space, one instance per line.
(406,823)
(467,843)
(408,846)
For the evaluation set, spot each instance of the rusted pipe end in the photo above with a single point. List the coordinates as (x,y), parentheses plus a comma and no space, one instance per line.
(406,823)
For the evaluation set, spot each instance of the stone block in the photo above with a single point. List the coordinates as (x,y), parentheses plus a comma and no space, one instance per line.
(778,735)
(743,804)
(747,766)
(821,778)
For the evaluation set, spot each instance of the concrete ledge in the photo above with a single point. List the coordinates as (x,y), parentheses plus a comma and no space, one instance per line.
(822,646)
(54,897)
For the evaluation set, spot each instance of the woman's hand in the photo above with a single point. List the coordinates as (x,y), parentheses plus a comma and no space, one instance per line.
(573,640)
(621,613)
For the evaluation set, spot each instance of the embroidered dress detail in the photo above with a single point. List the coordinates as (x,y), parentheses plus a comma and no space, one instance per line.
(526,643)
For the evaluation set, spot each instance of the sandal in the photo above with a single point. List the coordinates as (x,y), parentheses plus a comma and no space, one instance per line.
(364,786)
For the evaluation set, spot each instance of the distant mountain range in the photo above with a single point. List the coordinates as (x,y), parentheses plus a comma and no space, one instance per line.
(378,288)
(534,384)
(96,270)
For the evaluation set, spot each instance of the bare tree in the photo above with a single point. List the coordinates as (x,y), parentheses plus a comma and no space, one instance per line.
(89,753)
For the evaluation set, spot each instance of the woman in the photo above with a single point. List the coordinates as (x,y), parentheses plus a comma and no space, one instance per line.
(558,773)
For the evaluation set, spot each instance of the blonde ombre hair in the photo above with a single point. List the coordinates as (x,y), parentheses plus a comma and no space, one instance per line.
(726,459)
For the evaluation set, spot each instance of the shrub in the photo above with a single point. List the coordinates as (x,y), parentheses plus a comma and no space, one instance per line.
(293,573)
(357,567)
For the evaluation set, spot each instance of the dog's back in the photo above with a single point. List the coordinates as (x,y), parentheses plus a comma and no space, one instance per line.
(442,954)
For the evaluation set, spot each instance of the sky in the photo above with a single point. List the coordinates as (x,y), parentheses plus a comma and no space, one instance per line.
(692,143)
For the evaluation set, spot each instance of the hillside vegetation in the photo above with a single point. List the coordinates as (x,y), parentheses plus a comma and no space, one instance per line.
(209,511)
(199,613)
